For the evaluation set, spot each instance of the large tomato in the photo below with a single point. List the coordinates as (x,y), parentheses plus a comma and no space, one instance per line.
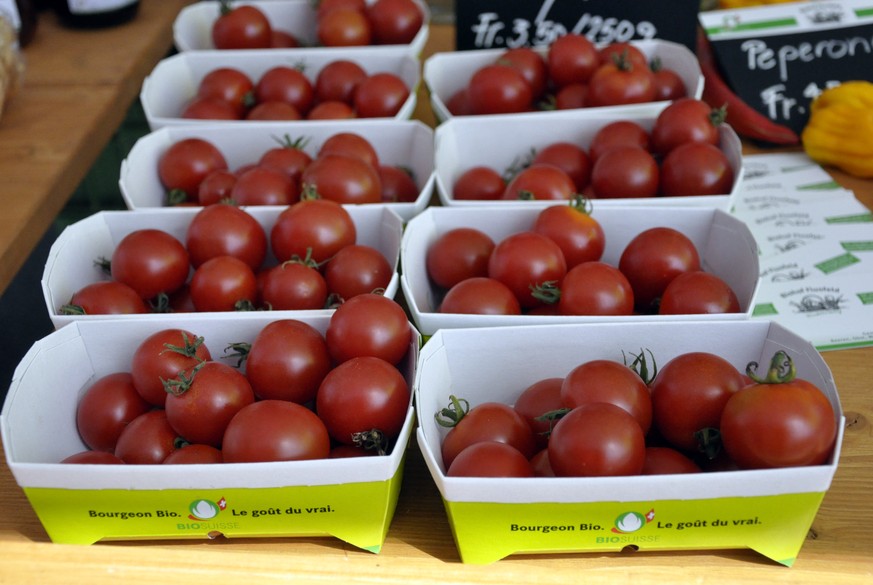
(362,396)
(286,84)
(202,401)
(525,260)
(694,293)
(342,178)
(106,297)
(357,269)
(187,162)
(595,440)
(230,85)
(625,171)
(498,89)
(106,407)
(290,157)
(275,430)
(685,120)
(294,285)
(480,295)
(263,185)
(287,360)
(458,254)
(688,395)
(574,229)
(380,95)
(595,288)
(317,228)
(572,58)
(368,325)
(225,230)
(541,182)
(620,82)
(696,168)
(150,261)
(223,283)
(780,421)
(337,81)
(603,380)
(241,27)
(162,356)
(394,22)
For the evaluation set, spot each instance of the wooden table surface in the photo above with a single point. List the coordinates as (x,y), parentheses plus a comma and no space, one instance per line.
(79,86)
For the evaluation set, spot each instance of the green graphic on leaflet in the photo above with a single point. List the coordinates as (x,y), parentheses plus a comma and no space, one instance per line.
(357,513)
(775,526)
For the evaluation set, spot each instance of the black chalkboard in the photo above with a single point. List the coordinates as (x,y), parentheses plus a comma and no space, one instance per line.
(779,75)
(486,24)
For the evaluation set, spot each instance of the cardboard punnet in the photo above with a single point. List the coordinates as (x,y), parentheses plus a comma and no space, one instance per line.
(724,243)
(404,143)
(446,73)
(351,499)
(71,261)
(468,141)
(769,511)
(192,29)
(173,82)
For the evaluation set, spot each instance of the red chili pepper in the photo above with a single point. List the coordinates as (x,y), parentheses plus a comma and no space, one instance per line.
(745,120)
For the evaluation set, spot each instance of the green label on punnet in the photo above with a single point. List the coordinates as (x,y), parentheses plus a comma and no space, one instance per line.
(775,526)
(358,513)
(763,309)
(837,262)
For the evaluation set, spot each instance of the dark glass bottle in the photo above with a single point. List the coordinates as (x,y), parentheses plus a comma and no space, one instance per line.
(23,16)
(95,13)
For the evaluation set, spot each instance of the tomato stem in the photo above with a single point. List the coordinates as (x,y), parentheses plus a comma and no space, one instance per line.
(372,440)
(640,365)
(552,416)
(241,351)
(781,371)
(709,442)
(182,382)
(547,292)
(453,413)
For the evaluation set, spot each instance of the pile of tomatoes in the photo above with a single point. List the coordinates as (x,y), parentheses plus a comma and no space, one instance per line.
(222,264)
(573,73)
(339,23)
(606,418)
(301,395)
(680,156)
(346,169)
(341,89)
(556,268)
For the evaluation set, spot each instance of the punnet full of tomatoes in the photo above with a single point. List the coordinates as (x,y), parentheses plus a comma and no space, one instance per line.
(697,413)
(291,393)
(555,267)
(572,72)
(338,23)
(346,168)
(308,259)
(680,155)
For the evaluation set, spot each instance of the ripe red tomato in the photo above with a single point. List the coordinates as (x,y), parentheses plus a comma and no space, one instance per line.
(620,82)
(597,439)
(91,457)
(618,133)
(380,95)
(200,405)
(480,295)
(570,158)
(696,168)
(344,27)
(150,261)
(285,84)
(106,407)
(524,260)
(394,22)
(194,454)
(625,171)
(623,50)
(147,440)
(490,459)
(351,144)
(223,283)
(216,187)
(478,182)
(571,96)
(289,157)
(274,110)
(230,85)
(595,288)
(488,421)
(325,6)
(398,184)
(225,230)
(540,182)
(281,39)
(342,178)
(368,325)
(331,110)
(275,430)
(294,285)
(780,421)
(685,120)
(664,460)
(572,58)
(652,259)
(318,227)
(669,86)
(357,269)
(287,360)
(241,27)
(209,108)
(688,395)
(541,397)
(540,464)
(187,162)
(458,254)
(337,81)
(361,395)
(262,185)
(694,293)
(572,227)
(498,89)
(162,356)
(602,380)
(108,297)
(531,65)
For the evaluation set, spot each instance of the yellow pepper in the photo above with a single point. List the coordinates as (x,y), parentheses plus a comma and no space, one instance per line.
(839,131)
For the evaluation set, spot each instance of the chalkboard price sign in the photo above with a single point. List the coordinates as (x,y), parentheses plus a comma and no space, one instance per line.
(487,24)
(779,58)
